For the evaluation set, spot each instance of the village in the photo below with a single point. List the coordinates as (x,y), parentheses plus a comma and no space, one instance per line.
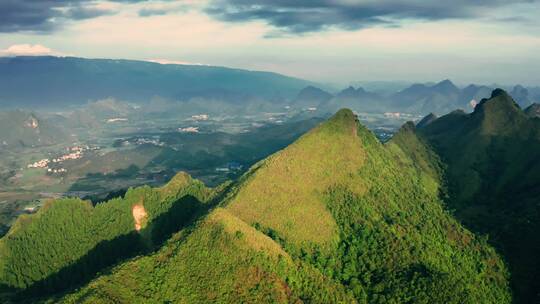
(75,152)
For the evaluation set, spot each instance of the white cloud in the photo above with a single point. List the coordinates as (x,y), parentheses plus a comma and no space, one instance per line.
(28,50)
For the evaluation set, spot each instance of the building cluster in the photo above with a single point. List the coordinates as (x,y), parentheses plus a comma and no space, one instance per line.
(61,170)
(200,117)
(118,119)
(149,141)
(72,155)
(189,130)
(392,115)
(40,164)
(74,152)
(230,167)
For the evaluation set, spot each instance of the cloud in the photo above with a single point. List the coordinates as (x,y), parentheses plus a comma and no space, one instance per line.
(161,9)
(28,50)
(47,15)
(81,12)
(303,16)
(148,12)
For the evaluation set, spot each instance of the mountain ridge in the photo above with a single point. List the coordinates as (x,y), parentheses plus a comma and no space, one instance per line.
(70,81)
(491,160)
(337,216)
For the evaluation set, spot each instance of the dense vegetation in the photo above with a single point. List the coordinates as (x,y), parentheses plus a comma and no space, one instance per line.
(69,240)
(492,161)
(337,217)
(393,241)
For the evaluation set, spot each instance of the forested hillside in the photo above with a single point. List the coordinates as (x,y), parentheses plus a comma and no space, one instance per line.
(335,217)
(68,241)
(492,161)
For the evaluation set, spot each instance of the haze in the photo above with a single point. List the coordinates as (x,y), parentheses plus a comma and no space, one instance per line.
(327,41)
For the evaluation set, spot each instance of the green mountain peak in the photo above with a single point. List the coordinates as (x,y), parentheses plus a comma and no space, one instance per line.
(498,115)
(336,217)
(283,191)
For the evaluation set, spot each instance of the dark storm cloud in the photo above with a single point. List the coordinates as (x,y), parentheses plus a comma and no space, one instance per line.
(81,13)
(315,15)
(45,15)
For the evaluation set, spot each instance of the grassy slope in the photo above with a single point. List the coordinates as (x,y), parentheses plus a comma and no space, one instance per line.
(493,169)
(286,188)
(334,216)
(223,260)
(69,239)
(388,239)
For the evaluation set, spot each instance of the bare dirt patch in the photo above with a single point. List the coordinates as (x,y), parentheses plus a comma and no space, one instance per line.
(139,215)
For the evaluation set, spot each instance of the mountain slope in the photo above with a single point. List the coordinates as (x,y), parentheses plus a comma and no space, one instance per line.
(70,240)
(533,110)
(310,96)
(336,217)
(24,129)
(357,99)
(419,98)
(492,170)
(64,81)
(383,236)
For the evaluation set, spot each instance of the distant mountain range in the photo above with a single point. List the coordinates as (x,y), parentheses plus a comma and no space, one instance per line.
(55,82)
(440,98)
(62,83)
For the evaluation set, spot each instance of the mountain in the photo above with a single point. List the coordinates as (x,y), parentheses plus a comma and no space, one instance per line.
(534,93)
(357,99)
(471,95)
(427,120)
(445,87)
(419,98)
(25,129)
(311,97)
(336,217)
(521,95)
(97,113)
(492,173)
(30,82)
(533,110)
(444,97)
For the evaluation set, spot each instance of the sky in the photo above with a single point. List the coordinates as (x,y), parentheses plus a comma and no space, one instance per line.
(332,41)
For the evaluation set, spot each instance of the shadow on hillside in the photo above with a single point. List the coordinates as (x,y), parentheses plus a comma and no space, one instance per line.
(5,294)
(99,260)
(93,182)
(504,204)
(3,230)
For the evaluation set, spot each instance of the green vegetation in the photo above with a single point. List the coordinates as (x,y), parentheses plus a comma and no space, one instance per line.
(337,217)
(283,191)
(395,242)
(223,260)
(70,240)
(492,174)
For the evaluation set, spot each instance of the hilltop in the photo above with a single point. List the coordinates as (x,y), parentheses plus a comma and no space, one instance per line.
(335,217)
(492,171)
